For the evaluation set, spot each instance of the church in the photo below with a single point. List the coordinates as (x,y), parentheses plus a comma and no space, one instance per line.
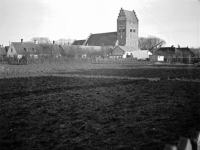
(124,41)
(126,35)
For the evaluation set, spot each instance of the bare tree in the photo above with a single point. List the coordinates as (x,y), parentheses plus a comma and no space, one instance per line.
(41,39)
(64,41)
(196,51)
(150,43)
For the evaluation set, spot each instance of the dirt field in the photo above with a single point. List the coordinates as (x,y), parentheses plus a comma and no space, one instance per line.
(96,106)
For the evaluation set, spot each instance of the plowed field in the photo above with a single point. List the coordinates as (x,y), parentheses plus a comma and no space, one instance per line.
(48,112)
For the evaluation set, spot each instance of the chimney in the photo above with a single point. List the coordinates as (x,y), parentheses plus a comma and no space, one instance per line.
(9,43)
(178,46)
(172,46)
(22,41)
(53,42)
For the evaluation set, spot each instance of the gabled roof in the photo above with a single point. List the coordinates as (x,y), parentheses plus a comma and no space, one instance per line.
(130,15)
(78,42)
(127,48)
(173,50)
(24,48)
(185,50)
(165,50)
(19,47)
(32,48)
(2,51)
(102,39)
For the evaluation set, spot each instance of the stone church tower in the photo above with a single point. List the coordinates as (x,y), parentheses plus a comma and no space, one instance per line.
(127,29)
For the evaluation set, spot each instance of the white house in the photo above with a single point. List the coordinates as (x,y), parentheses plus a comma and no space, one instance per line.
(129,51)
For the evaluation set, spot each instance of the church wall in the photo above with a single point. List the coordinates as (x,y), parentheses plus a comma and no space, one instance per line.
(121,36)
(132,37)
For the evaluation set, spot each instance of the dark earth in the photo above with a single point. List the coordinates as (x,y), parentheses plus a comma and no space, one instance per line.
(67,113)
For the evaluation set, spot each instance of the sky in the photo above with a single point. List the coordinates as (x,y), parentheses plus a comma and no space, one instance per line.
(175,21)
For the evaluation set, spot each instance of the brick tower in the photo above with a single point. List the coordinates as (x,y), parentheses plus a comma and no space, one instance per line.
(127,28)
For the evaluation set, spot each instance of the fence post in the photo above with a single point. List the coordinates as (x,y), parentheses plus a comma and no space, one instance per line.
(170,147)
(195,140)
(184,144)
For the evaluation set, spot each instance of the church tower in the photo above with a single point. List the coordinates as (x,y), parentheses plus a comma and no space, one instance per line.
(127,29)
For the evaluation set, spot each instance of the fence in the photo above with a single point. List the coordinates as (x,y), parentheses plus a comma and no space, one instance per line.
(192,143)
(100,60)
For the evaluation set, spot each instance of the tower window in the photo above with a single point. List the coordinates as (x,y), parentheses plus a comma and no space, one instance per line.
(123,30)
(130,30)
(119,30)
(134,30)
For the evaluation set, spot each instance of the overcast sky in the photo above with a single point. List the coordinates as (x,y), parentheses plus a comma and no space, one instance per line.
(175,21)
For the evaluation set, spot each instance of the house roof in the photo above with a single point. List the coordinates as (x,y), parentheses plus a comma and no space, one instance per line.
(173,50)
(78,42)
(102,39)
(126,48)
(165,50)
(19,47)
(24,48)
(56,49)
(39,49)
(64,49)
(32,48)
(185,50)
(44,48)
(2,51)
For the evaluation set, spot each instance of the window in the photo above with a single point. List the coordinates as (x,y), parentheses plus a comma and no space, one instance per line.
(11,50)
(134,30)
(123,30)
(130,30)
(119,30)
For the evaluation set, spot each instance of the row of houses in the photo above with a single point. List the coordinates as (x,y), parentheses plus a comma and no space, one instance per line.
(173,54)
(34,50)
